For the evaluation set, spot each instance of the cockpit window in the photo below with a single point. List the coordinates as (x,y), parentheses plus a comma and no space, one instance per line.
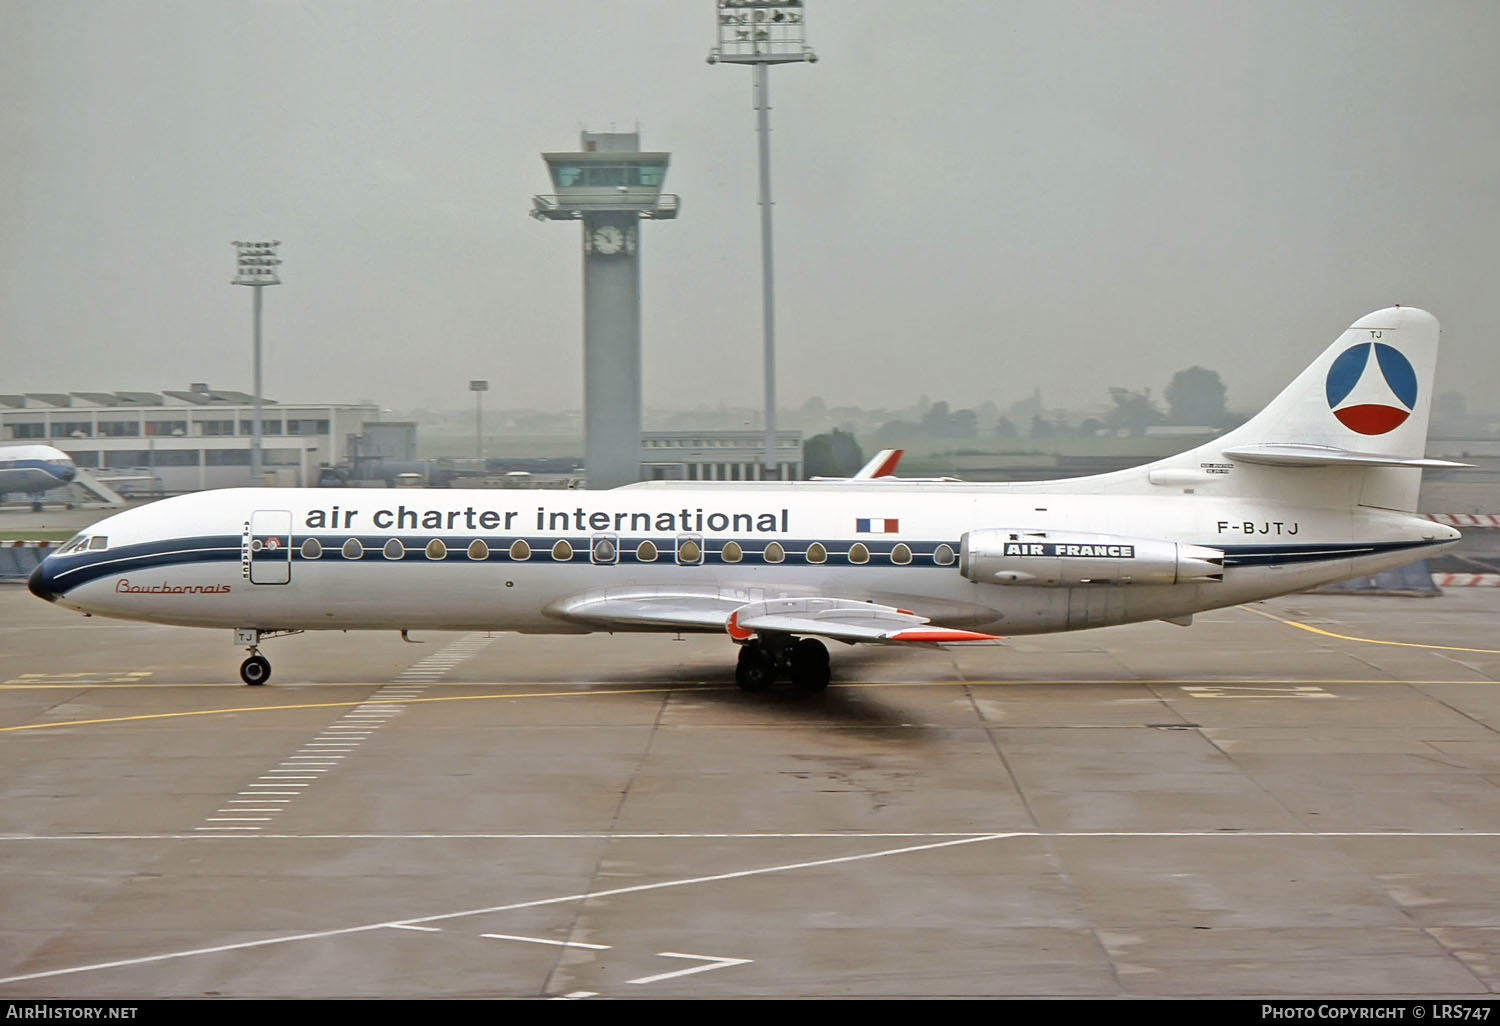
(78,542)
(99,541)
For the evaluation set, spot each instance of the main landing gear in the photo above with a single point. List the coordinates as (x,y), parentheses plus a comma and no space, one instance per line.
(256,670)
(804,661)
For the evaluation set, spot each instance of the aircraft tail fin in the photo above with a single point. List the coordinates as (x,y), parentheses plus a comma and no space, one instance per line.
(1360,408)
(1369,392)
(882,464)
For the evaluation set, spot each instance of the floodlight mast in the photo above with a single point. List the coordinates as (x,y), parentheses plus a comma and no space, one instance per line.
(761,33)
(255,266)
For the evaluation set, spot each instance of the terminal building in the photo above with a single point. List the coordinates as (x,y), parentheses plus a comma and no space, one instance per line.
(718,456)
(178,441)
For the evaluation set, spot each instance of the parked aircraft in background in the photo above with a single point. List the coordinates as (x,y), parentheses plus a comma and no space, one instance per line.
(34,469)
(1318,487)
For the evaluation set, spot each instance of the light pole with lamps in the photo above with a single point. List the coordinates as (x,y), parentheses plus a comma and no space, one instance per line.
(255,266)
(761,33)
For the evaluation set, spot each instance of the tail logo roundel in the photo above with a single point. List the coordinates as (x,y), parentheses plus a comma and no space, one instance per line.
(1371,396)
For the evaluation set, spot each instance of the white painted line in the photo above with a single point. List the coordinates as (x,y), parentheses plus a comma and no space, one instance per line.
(715,962)
(220,830)
(248,810)
(257,801)
(266,792)
(1254,691)
(543,940)
(238,819)
(1305,835)
(407,926)
(574,995)
(537,903)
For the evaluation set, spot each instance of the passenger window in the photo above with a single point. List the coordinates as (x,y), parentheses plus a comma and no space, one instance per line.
(645,552)
(689,550)
(519,550)
(943,555)
(901,554)
(312,549)
(562,551)
(478,550)
(731,552)
(859,553)
(436,549)
(394,549)
(353,549)
(605,550)
(774,553)
(816,553)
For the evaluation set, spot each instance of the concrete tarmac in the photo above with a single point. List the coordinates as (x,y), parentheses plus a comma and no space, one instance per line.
(1292,799)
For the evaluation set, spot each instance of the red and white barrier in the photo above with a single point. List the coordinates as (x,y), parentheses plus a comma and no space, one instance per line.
(1465,519)
(1443,580)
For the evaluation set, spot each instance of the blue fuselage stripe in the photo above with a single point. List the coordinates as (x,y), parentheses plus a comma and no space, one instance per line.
(76,569)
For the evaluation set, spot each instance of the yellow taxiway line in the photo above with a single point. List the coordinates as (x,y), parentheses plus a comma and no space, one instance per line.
(670,689)
(1367,641)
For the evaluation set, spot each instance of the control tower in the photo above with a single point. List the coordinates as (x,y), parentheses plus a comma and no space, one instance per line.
(610,186)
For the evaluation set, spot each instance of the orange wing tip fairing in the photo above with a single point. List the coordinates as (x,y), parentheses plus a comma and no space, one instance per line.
(940,635)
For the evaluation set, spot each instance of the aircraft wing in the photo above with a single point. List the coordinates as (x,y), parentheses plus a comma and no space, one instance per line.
(636,608)
(844,620)
(841,619)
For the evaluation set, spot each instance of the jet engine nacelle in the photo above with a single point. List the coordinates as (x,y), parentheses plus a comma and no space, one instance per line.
(1062,559)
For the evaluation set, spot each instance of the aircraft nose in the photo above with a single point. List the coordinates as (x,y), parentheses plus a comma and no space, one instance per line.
(69,473)
(40,581)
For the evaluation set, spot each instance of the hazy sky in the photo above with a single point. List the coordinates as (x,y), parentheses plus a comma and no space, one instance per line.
(972,196)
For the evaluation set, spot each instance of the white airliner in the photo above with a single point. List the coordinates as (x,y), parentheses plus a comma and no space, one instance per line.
(1319,487)
(33,469)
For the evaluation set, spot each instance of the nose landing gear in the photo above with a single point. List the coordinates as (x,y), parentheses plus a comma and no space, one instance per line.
(256,670)
(803,661)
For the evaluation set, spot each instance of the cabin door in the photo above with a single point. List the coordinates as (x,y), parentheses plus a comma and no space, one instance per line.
(270,546)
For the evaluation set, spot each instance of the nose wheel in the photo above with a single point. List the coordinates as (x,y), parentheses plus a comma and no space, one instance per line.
(255,670)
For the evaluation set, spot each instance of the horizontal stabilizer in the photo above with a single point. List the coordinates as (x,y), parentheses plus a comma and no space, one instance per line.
(1292,454)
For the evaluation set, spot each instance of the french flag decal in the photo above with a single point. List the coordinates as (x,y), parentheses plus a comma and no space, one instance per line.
(883,525)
